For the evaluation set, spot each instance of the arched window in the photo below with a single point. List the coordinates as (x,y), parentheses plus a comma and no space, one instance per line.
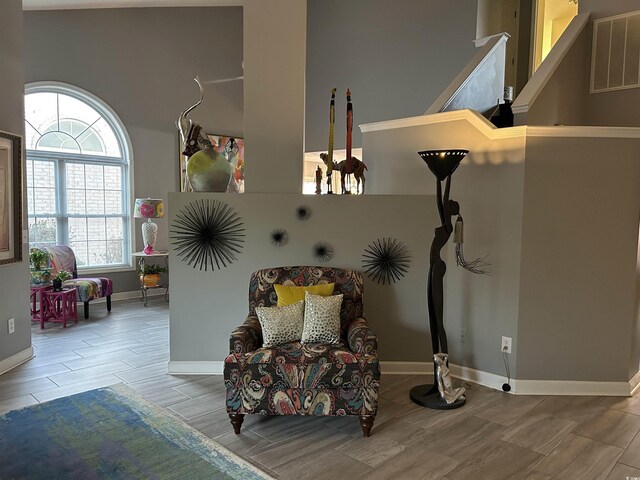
(78,175)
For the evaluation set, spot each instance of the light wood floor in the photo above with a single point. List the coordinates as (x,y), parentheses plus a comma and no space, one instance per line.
(495,436)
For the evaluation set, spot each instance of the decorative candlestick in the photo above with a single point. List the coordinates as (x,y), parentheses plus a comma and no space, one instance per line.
(332,121)
(349,160)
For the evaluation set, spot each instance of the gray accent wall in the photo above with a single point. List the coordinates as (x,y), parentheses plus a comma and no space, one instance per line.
(577,318)
(14,278)
(141,62)
(395,56)
(207,305)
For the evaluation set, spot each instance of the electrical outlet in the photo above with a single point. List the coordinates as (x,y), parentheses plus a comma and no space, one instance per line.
(505,346)
(11,325)
(463,335)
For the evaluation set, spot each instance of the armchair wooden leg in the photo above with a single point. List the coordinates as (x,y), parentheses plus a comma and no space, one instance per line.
(108,303)
(366,422)
(236,421)
(86,310)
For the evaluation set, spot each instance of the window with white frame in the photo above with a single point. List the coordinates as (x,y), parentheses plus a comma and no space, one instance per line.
(78,175)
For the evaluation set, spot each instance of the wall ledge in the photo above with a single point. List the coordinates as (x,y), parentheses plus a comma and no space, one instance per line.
(491,132)
(17,359)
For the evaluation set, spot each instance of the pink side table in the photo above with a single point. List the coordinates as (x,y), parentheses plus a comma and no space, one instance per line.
(39,304)
(62,305)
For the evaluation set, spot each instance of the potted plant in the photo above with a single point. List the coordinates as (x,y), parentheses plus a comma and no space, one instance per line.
(60,277)
(150,275)
(39,266)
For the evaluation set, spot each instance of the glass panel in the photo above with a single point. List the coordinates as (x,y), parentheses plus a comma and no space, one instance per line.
(81,250)
(74,109)
(94,176)
(112,202)
(75,175)
(113,178)
(111,146)
(57,142)
(114,229)
(96,229)
(41,110)
(77,229)
(42,193)
(97,252)
(31,136)
(76,204)
(114,252)
(95,202)
(42,232)
(91,143)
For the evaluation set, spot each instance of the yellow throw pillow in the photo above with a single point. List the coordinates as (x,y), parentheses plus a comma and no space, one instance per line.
(288,294)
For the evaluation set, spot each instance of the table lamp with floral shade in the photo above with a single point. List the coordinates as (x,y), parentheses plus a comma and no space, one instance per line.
(149,208)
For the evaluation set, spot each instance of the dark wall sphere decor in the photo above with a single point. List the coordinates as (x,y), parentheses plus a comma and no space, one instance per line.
(303,213)
(386,260)
(323,251)
(207,234)
(279,237)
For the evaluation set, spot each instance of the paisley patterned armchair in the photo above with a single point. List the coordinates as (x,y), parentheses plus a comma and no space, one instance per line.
(61,257)
(310,379)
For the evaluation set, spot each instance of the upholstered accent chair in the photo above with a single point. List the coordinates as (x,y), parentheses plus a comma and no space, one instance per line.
(62,257)
(304,379)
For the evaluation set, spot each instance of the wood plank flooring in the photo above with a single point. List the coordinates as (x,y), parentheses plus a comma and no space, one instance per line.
(495,436)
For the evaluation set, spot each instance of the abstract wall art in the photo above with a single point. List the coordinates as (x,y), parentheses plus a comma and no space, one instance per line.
(386,260)
(207,234)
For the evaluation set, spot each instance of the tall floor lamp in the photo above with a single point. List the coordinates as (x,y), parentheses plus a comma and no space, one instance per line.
(442,164)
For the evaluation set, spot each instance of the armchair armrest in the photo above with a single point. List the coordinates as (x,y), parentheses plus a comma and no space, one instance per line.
(247,337)
(361,338)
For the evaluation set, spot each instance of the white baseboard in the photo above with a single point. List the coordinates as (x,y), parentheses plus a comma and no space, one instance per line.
(15,360)
(129,295)
(518,387)
(212,367)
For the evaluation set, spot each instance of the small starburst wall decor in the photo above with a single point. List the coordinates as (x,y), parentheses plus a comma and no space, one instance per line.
(386,260)
(207,234)
(323,251)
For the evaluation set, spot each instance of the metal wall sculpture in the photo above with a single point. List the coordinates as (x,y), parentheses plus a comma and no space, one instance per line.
(303,213)
(207,234)
(323,251)
(386,260)
(279,237)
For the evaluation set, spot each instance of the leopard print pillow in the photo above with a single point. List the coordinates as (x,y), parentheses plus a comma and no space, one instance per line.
(321,319)
(281,324)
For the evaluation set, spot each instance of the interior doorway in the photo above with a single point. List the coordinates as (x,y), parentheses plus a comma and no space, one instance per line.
(551,19)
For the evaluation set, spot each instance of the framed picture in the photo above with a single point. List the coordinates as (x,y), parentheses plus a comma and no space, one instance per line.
(10,198)
(232,148)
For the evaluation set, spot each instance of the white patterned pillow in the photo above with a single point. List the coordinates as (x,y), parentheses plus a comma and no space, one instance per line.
(321,319)
(281,324)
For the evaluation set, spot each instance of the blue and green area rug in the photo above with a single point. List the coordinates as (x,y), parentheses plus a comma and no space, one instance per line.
(110,433)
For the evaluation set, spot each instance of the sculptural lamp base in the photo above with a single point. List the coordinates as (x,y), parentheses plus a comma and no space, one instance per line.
(429,396)
(149,234)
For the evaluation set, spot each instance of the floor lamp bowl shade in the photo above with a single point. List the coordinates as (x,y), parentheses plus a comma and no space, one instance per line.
(443,163)
(149,208)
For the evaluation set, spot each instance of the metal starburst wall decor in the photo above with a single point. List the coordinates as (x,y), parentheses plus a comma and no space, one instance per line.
(207,234)
(386,260)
